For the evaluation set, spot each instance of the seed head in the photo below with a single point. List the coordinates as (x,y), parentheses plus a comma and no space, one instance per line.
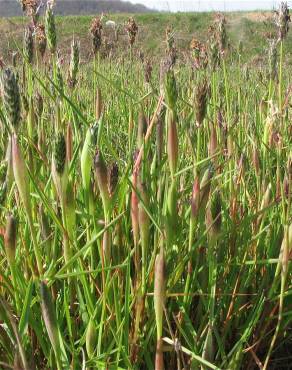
(50,28)
(11,97)
(95,30)
(201,99)
(28,45)
(283,20)
(205,186)
(41,39)
(91,338)
(213,215)
(221,32)
(49,316)
(148,70)
(213,49)
(273,60)
(60,153)
(113,177)
(132,30)
(170,89)
(21,175)
(74,63)
(30,8)
(199,54)
(171,52)
(39,104)
(101,178)
(10,238)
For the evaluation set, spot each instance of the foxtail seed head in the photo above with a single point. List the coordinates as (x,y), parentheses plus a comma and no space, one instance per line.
(170,89)
(11,97)
(205,186)
(74,63)
(50,28)
(283,20)
(41,39)
(95,30)
(49,316)
(132,30)
(21,175)
(213,215)
(91,338)
(60,153)
(113,177)
(28,45)
(201,99)
(10,238)
(101,178)
(195,203)
(286,249)
(39,104)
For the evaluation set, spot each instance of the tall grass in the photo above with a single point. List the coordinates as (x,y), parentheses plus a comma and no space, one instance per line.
(146,223)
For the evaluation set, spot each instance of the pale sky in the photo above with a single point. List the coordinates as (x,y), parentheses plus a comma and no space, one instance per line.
(203,5)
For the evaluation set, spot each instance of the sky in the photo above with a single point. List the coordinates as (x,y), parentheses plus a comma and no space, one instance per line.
(205,5)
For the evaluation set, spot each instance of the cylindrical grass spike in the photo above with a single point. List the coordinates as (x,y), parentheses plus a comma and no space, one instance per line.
(201,99)
(213,215)
(170,89)
(74,63)
(28,45)
(41,39)
(50,28)
(21,175)
(60,153)
(101,178)
(59,166)
(10,238)
(95,30)
(11,97)
(49,316)
(113,177)
(132,30)
(91,338)
(205,186)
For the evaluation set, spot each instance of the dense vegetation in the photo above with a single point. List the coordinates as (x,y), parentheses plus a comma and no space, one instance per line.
(145,205)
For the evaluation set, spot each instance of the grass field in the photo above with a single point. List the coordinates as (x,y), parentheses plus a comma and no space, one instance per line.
(249,28)
(145,192)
